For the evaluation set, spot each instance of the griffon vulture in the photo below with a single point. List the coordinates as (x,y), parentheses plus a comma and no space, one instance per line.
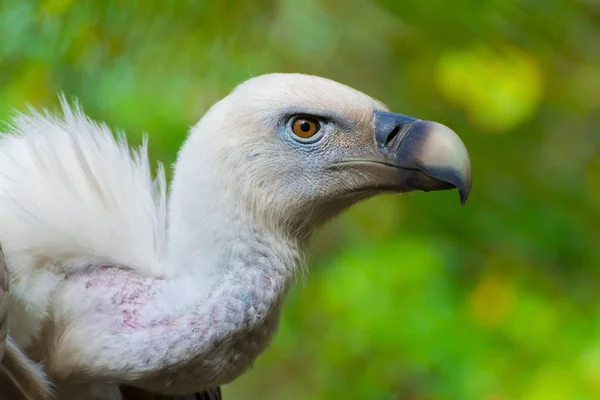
(119,290)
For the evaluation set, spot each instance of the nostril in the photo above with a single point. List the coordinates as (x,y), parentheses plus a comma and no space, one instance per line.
(392,135)
(391,128)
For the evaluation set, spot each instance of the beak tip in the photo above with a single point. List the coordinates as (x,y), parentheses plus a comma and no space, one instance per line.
(463,197)
(464,190)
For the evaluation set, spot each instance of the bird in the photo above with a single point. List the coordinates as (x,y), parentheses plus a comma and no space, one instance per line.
(122,287)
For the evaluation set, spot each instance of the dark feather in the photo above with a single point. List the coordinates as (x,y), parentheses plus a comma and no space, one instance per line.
(131,393)
(20,378)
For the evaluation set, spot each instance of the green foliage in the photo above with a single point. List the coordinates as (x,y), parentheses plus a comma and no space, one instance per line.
(410,297)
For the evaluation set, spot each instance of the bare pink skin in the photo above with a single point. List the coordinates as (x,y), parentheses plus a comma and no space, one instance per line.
(131,293)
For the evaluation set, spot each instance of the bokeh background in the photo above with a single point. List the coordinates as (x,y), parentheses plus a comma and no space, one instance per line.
(409,297)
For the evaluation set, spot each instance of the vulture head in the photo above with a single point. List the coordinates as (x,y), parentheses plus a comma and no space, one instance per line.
(297,149)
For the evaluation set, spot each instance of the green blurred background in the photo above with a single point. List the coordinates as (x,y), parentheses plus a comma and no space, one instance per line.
(409,297)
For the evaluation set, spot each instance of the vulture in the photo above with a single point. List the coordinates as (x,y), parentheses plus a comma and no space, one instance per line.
(114,287)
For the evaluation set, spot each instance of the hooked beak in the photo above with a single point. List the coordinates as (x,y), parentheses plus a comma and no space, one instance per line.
(430,155)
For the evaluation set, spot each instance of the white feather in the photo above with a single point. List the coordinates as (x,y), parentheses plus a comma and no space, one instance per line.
(71,195)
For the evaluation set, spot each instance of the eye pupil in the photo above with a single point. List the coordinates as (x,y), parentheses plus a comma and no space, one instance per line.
(305,126)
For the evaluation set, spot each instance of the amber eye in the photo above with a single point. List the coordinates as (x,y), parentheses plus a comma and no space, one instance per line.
(305,128)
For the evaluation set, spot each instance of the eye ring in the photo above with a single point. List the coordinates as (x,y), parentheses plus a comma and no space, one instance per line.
(305,129)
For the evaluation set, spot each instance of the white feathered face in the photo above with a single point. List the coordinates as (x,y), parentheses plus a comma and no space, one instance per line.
(299,149)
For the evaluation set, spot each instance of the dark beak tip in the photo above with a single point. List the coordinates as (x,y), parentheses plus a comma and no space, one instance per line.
(463,197)
(464,190)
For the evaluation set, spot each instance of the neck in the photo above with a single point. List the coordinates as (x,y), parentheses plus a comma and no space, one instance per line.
(213,236)
(218,333)
(229,275)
